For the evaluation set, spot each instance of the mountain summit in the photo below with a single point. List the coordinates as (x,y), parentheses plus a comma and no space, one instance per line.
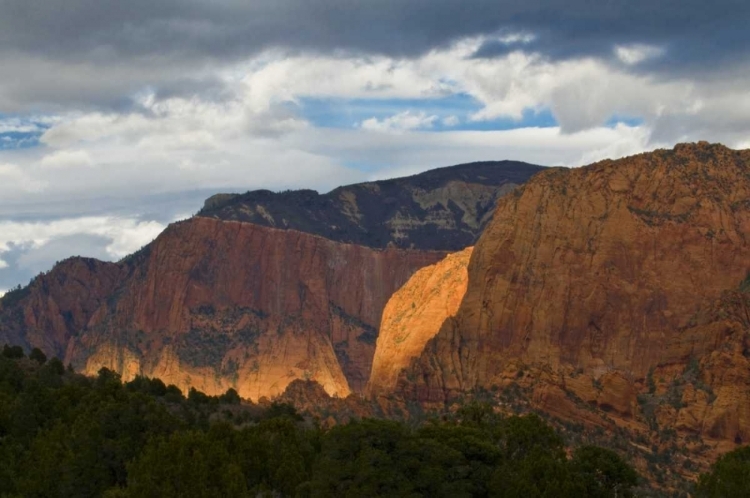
(442,209)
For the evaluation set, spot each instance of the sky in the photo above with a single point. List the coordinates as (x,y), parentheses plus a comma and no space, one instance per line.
(117,118)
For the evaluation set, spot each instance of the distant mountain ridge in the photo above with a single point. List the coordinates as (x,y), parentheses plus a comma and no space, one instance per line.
(442,209)
(259,289)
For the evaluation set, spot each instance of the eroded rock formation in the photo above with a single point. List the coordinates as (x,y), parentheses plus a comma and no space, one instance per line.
(214,304)
(602,278)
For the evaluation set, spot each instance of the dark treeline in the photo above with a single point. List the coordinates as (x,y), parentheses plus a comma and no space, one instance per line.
(67,435)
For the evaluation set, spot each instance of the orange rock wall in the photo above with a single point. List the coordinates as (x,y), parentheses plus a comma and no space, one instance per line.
(606,270)
(414,315)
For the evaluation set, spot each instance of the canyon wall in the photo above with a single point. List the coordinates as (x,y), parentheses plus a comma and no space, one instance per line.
(213,304)
(611,281)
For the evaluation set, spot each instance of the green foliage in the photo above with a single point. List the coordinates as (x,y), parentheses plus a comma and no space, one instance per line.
(13,352)
(745,284)
(63,434)
(728,476)
(231,397)
(601,473)
(203,348)
(37,355)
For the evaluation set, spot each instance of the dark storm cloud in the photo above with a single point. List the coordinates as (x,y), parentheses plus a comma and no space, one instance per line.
(107,30)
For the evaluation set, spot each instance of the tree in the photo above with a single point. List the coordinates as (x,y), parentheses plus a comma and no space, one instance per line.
(728,476)
(231,397)
(38,356)
(13,352)
(602,473)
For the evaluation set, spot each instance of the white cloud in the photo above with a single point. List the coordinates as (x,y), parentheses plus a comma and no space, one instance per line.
(122,235)
(14,178)
(15,125)
(406,120)
(512,38)
(67,159)
(254,135)
(451,121)
(28,248)
(635,54)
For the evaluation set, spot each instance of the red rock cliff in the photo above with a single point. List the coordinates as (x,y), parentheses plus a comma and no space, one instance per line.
(214,304)
(610,273)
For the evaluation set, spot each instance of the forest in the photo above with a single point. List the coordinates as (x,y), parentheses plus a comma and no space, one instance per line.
(63,434)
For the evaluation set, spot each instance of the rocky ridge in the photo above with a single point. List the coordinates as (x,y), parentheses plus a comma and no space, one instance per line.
(226,300)
(214,304)
(614,286)
(442,209)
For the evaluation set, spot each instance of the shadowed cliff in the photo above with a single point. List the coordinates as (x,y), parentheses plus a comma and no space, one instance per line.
(441,209)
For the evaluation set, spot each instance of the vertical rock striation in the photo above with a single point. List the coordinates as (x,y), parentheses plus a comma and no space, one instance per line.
(609,273)
(213,304)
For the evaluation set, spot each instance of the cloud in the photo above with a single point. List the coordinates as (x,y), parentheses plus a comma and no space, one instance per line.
(101,54)
(123,235)
(14,178)
(635,54)
(67,159)
(254,133)
(406,120)
(28,248)
(451,121)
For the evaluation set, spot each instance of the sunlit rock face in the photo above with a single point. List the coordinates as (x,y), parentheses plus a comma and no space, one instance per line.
(413,316)
(213,304)
(261,288)
(599,279)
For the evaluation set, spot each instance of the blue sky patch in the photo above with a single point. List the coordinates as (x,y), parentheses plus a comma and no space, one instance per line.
(13,140)
(20,132)
(453,113)
(626,120)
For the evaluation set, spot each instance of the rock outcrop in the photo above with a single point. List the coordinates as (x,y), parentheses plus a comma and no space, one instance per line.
(441,209)
(262,288)
(606,277)
(213,304)
(414,315)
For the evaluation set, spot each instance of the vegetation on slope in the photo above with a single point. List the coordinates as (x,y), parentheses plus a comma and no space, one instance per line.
(64,434)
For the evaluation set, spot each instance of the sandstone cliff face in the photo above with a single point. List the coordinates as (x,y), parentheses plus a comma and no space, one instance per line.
(58,304)
(214,304)
(604,277)
(414,315)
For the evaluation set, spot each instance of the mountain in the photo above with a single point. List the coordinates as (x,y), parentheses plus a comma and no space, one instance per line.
(443,209)
(223,300)
(622,287)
